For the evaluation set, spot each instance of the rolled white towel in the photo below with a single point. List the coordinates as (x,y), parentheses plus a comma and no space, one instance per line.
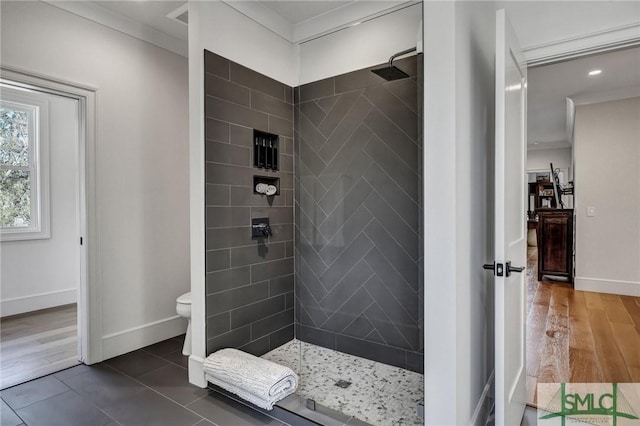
(254,379)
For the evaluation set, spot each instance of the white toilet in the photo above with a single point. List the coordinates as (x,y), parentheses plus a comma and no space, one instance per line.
(183,308)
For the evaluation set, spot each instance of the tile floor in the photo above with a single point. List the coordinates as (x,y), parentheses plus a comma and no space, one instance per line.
(145,387)
(379,394)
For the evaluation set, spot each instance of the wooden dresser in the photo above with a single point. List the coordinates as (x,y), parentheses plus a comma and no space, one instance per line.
(555,243)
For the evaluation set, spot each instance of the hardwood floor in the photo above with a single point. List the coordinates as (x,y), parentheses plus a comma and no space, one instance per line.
(578,336)
(37,343)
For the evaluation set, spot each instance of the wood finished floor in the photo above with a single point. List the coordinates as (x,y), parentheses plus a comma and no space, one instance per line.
(37,343)
(577,336)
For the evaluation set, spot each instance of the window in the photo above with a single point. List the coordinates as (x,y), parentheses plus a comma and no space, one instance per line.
(23,165)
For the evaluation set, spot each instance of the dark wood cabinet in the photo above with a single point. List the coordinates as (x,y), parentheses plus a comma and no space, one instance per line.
(555,243)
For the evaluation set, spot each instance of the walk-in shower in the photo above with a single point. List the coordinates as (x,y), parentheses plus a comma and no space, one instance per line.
(335,291)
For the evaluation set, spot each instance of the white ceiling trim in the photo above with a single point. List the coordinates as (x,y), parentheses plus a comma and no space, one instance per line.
(548,145)
(607,96)
(125,25)
(264,16)
(182,10)
(320,25)
(345,16)
(600,41)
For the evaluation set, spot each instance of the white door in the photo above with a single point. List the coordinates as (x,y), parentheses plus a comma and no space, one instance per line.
(510,229)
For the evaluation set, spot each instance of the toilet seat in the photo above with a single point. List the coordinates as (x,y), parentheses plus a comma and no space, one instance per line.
(185,299)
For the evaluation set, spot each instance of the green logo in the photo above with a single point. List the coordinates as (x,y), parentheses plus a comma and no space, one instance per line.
(589,406)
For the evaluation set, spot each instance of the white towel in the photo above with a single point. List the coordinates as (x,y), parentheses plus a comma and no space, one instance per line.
(254,379)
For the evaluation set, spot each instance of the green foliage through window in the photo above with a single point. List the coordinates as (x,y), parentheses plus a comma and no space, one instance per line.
(14,137)
(15,173)
(15,195)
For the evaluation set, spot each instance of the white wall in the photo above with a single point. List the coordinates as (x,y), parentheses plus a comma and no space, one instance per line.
(539,159)
(607,176)
(553,28)
(367,44)
(459,51)
(142,216)
(240,39)
(24,286)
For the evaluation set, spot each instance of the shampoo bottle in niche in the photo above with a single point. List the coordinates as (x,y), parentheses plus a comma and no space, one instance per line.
(269,163)
(274,164)
(263,152)
(256,151)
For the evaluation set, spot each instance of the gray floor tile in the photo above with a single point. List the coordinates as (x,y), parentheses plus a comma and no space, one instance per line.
(7,416)
(224,411)
(176,357)
(204,422)
(149,408)
(104,386)
(73,371)
(31,392)
(173,382)
(164,347)
(67,409)
(136,363)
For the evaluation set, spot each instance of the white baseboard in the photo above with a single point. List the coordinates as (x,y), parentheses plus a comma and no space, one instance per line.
(144,335)
(196,373)
(625,288)
(483,409)
(35,302)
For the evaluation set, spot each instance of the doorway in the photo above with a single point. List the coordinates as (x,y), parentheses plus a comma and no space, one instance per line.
(42,253)
(588,333)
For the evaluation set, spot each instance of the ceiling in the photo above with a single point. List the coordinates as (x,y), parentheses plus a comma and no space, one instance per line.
(149,13)
(297,12)
(544,29)
(549,87)
(294,20)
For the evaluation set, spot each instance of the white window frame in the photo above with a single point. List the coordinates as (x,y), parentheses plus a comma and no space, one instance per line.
(37,107)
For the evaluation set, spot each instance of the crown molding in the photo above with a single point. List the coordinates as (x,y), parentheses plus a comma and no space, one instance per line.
(123,24)
(264,16)
(596,42)
(543,146)
(346,16)
(328,22)
(607,96)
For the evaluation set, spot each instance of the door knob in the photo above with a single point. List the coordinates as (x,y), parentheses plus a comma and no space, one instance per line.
(511,269)
(500,270)
(497,268)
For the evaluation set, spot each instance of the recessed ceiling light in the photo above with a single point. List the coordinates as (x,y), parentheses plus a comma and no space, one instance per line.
(595,72)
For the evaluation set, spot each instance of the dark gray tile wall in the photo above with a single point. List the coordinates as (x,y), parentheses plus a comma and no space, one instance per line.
(249,283)
(358,215)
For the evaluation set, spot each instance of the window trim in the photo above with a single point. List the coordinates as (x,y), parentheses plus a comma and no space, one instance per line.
(38,107)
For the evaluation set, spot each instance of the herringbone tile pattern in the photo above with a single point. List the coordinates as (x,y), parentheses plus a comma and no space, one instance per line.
(357,216)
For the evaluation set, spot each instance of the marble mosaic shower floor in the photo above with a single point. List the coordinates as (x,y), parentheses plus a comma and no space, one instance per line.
(379,394)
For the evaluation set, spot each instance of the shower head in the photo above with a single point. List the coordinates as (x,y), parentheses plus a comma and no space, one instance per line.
(390,72)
